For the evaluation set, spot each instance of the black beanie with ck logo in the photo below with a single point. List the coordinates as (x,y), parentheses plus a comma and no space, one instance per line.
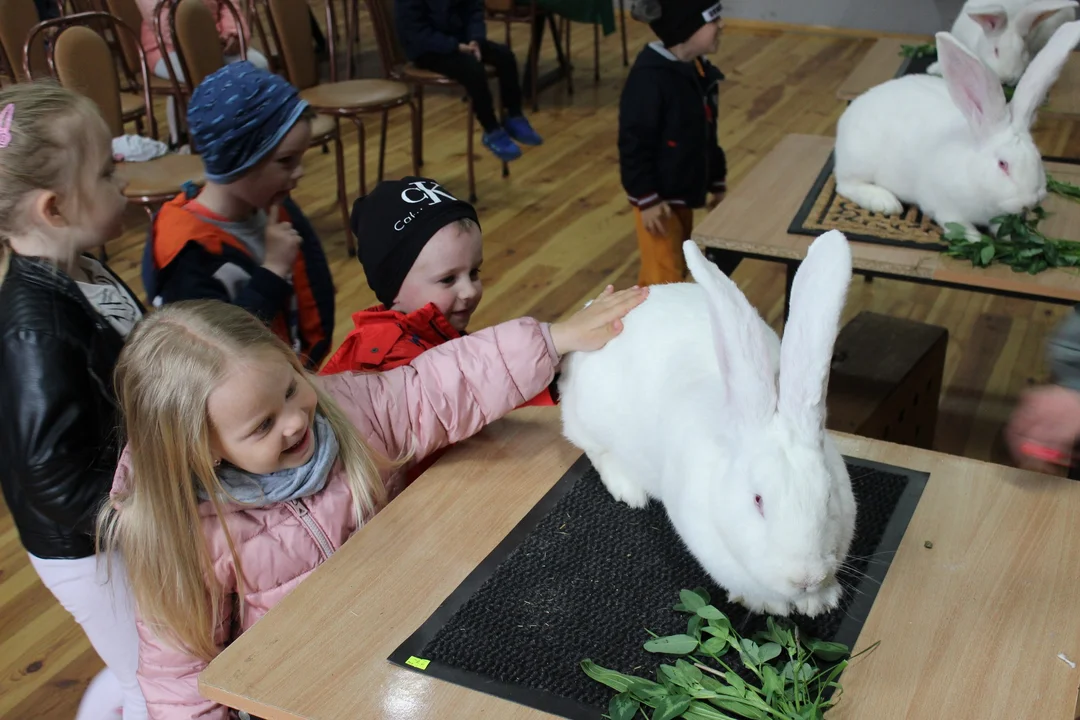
(394,222)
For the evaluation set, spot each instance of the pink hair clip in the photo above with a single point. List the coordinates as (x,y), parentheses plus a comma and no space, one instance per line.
(6,116)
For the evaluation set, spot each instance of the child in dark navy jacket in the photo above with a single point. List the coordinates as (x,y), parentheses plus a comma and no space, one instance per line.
(669,156)
(450,37)
(241,239)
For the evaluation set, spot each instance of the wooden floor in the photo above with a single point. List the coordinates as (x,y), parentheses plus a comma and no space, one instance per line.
(555,232)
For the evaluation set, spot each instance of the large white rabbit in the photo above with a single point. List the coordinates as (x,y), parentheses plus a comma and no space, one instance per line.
(1007,33)
(685,406)
(950,145)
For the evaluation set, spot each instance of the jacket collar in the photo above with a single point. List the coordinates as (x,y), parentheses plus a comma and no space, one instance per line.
(428,322)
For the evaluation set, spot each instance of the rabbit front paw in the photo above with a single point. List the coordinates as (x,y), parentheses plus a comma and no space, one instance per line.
(825,598)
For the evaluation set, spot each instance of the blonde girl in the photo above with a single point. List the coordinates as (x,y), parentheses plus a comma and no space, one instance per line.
(63,319)
(243,473)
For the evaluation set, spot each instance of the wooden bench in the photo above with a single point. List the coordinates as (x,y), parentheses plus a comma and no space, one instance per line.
(886,379)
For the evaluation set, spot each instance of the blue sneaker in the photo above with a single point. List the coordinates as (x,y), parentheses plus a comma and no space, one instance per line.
(520,129)
(499,143)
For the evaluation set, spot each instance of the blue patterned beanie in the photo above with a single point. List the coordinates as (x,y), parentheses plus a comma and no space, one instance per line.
(237,116)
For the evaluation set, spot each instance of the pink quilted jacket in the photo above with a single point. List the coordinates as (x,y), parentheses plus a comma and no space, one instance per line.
(226,26)
(446,395)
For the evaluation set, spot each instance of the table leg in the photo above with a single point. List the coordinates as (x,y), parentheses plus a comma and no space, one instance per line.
(792,267)
(562,71)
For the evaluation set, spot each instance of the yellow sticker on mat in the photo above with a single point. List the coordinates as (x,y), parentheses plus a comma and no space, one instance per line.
(417,663)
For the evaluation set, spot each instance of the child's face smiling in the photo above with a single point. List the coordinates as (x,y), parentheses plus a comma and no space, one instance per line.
(262,415)
(447,273)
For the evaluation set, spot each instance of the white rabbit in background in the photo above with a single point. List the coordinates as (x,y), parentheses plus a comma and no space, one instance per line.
(697,404)
(1006,34)
(950,145)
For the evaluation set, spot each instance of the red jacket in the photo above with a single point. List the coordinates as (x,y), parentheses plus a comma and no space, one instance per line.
(385,339)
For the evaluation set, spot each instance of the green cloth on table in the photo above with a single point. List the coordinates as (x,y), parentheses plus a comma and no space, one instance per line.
(584,11)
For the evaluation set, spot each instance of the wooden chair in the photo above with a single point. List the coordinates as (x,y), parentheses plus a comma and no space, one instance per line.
(396,66)
(127,11)
(81,60)
(352,99)
(509,12)
(195,35)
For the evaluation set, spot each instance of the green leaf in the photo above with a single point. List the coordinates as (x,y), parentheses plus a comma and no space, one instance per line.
(715,645)
(736,682)
(694,674)
(623,707)
(955,231)
(611,678)
(768,651)
(693,626)
(691,600)
(646,690)
(710,613)
(986,254)
(676,676)
(671,707)
(770,681)
(750,652)
(701,711)
(1051,253)
(744,708)
(672,645)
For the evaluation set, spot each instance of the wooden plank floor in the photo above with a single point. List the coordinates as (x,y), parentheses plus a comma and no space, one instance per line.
(555,232)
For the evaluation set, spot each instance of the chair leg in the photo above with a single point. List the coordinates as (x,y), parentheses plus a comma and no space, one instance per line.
(596,51)
(622,23)
(361,141)
(415,128)
(469,152)
(569,61)
(534,63)
(419,126)
(382,145)
(339,161)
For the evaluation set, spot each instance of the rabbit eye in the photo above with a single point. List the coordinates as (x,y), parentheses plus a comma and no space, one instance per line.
(1004,166)
(760,506)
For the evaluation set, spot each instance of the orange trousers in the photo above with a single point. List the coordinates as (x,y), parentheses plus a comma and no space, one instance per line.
(662,258)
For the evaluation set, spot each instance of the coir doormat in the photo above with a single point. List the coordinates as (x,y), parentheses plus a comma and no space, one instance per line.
(824,210)
(583,576)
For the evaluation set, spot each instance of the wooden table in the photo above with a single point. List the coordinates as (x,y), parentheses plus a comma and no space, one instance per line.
(883,62)
(754,218)
(969,630)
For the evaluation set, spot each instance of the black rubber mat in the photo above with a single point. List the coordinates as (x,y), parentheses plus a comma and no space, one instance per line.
(583,576)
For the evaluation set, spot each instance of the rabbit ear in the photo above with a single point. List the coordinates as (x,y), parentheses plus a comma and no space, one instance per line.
(739,337)
(1031,15)
(991,18)
(1042,72)
(817,299)
(973,87)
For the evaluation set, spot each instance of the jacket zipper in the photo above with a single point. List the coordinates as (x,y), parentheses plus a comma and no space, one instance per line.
(304,515)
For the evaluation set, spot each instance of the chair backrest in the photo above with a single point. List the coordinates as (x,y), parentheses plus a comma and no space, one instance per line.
(84,64)
(291,31)
(17,18)
(499,6)
(81,59)
(128,12)
(391,52)
(197,42)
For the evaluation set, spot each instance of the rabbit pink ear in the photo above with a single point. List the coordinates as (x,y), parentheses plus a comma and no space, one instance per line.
(1042,72)
(817,299)
(1035,13)
(742,352)
(991,18)
(973,87)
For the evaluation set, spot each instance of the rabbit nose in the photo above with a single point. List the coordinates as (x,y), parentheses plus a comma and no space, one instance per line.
(808,582)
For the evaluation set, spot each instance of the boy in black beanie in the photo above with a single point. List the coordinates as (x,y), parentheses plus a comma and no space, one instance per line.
(669,157)
(421,249)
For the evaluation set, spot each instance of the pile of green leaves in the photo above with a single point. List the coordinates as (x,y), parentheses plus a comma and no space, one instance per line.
(918,51)
(702,684)
(1018,242)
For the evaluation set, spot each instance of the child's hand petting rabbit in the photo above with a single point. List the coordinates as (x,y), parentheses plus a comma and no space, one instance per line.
(598,322)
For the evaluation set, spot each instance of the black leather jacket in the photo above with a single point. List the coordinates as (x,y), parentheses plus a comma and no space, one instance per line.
(59,439)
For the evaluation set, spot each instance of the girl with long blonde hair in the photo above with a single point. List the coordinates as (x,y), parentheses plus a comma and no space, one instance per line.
(243,473)
(63,318)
